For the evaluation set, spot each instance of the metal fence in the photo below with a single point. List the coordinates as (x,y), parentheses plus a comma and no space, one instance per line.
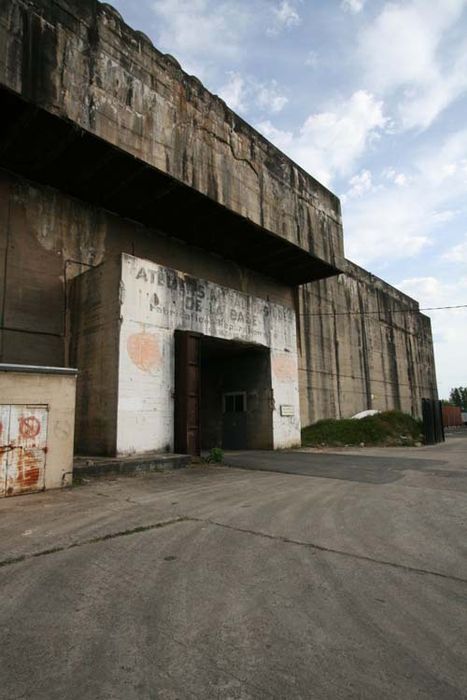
(432,421)
(452,416)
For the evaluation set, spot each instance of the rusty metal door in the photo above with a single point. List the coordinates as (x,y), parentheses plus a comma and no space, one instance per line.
(23,448)
(187,392)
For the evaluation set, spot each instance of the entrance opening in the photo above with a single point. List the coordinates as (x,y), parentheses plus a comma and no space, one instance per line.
(236,406)
(223,394)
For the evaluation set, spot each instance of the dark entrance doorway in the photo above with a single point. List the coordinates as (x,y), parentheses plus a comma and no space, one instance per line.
(223,394)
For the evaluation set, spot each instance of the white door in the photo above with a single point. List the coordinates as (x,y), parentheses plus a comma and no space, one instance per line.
(24,449)
(4,444)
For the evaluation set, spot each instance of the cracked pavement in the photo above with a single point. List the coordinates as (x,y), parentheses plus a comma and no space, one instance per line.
(218,582)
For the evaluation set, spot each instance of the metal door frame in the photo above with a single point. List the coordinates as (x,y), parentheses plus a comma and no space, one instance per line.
(187,433)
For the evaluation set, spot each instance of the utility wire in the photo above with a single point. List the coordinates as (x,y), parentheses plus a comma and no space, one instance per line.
(438,308)
(383,311)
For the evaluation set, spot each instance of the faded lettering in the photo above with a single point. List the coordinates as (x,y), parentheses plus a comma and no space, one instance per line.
(181,299)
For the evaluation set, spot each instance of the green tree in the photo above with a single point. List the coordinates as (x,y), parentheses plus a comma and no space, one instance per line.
(458,397)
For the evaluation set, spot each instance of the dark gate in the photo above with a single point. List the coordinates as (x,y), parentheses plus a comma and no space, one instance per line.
(187,392)
(432,421)
(234,421)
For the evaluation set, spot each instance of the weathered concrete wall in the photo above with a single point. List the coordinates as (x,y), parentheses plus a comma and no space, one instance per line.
(343,360)
(43,233)
(81,62)
(94,336)
(77,60)
(363,344)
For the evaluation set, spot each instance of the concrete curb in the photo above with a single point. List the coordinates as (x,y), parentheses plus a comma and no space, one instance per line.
(99,466)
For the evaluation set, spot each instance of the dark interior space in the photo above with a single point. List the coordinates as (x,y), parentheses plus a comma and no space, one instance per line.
(235,396)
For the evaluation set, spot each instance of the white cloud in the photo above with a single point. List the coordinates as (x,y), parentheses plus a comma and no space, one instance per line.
(233,92)
(422,106)
(354,6)
(447,163)
(359,185)
(200,32)
(312,59)
(286,16)
(388,224)
(330,143)
(427,290)
(269,97)
(395,177)
(406,51)
(282,139)
(244,93)
(449,326)
(458,253)
(443,216)
(393,221)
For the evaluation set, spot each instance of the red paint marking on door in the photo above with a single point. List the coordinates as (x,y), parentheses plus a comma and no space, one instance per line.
(28,469)
(29,427)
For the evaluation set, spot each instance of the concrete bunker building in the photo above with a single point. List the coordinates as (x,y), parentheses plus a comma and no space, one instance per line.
(191,271)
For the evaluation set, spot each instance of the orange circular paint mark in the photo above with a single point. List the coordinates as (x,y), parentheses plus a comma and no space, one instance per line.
(29,427)
(144,351)
(284,368)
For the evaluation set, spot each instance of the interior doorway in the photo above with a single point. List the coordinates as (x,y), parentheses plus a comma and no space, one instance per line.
(223,394)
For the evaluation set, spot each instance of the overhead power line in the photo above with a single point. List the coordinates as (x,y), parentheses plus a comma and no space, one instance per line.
(383,311)
(440,308)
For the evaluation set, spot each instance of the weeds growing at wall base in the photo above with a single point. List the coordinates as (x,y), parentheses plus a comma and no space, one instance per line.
(391,428)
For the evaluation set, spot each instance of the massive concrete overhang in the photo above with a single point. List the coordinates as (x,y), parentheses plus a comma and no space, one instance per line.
(90,106)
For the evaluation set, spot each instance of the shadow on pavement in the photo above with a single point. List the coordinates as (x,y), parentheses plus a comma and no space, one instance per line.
(361,468)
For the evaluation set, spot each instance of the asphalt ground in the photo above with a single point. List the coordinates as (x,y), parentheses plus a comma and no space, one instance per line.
(220,582)
(349,467)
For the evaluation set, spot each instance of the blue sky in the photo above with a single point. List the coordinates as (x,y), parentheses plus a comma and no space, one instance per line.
(368,96)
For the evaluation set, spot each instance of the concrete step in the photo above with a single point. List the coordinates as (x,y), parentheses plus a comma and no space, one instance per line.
(147,462)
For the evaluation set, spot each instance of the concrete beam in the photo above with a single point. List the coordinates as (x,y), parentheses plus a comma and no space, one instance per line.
(81,62)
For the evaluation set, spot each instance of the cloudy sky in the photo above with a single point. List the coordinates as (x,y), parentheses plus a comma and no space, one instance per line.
(370,97)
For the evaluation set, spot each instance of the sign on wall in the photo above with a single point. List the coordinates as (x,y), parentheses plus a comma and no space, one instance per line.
(171,299)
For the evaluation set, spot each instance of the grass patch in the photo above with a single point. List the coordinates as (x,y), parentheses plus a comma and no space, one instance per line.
(216,456)
(391,428)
